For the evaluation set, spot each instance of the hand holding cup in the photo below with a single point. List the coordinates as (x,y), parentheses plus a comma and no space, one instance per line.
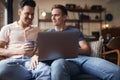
(29,46)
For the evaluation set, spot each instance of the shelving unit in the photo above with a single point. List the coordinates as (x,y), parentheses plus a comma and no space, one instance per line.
(72,20)
(82,21)
(88,11)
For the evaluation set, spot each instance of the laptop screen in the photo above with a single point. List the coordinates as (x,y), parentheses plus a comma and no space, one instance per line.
(53,45)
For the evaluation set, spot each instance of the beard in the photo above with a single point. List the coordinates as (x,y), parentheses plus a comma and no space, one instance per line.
(29,22)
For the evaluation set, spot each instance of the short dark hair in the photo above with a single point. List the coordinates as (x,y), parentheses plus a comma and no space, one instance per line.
(61,7)
(27,2)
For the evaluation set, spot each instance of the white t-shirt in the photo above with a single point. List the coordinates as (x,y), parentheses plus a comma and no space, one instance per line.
(14,35)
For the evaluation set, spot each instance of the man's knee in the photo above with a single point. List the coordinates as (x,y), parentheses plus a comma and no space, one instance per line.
(58,63)
(116,74)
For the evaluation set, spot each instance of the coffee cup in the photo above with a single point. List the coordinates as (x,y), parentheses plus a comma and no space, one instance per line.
(33,43)
(30,42)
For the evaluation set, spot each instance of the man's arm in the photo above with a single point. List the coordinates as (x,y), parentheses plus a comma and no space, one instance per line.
(84,48)
(5,52)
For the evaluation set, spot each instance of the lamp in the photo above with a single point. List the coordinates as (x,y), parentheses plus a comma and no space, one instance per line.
(107,25)
(43,13)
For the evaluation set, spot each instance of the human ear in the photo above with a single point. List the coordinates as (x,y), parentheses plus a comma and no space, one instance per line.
(19,11)
(65,17)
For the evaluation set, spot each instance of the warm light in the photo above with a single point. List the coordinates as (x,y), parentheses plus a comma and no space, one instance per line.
(107,25)
(43,14)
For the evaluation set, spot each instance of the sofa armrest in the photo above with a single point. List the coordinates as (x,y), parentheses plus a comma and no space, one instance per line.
(114,51)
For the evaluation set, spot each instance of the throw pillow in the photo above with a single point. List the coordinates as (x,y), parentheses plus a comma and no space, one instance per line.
(96,48)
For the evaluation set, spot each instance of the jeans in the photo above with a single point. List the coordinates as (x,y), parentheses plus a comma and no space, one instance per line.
(62,69)
(19,69)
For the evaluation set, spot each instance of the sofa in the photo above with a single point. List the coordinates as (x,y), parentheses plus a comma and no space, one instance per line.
(96,49)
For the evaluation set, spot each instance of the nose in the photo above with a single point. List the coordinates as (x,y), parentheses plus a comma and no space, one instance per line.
(53,17)
(30,16)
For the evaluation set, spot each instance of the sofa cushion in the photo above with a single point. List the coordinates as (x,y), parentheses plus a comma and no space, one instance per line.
(84,77)
(96,48)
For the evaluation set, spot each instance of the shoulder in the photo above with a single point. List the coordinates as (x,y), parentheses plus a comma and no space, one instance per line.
(9,26)
(12,24)
(80,34)
(73,29)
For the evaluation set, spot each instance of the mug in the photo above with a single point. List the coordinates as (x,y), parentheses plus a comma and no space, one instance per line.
(30,42)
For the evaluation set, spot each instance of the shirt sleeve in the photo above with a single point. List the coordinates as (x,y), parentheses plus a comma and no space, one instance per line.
(81,37)
(4,33)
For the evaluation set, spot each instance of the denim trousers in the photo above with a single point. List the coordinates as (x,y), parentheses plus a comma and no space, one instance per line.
(63,69)
(19,69)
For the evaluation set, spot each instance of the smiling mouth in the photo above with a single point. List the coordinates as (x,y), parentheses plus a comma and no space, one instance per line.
(29,21)
(54,21)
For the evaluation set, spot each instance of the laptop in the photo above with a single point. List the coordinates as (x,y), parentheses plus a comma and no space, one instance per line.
(53,45)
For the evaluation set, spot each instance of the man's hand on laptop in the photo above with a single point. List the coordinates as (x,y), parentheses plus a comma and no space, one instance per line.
(34,62)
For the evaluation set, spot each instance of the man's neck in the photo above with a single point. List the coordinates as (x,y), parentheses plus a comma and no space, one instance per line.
(60,28)
(22,25)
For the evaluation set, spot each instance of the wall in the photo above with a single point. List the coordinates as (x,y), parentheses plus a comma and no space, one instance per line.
(15,13)
(2,14)
(114,8)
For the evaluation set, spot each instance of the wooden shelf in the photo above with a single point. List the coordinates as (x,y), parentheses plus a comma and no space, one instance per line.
(84,21)
(73,20)
(85,10)
(76,20)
